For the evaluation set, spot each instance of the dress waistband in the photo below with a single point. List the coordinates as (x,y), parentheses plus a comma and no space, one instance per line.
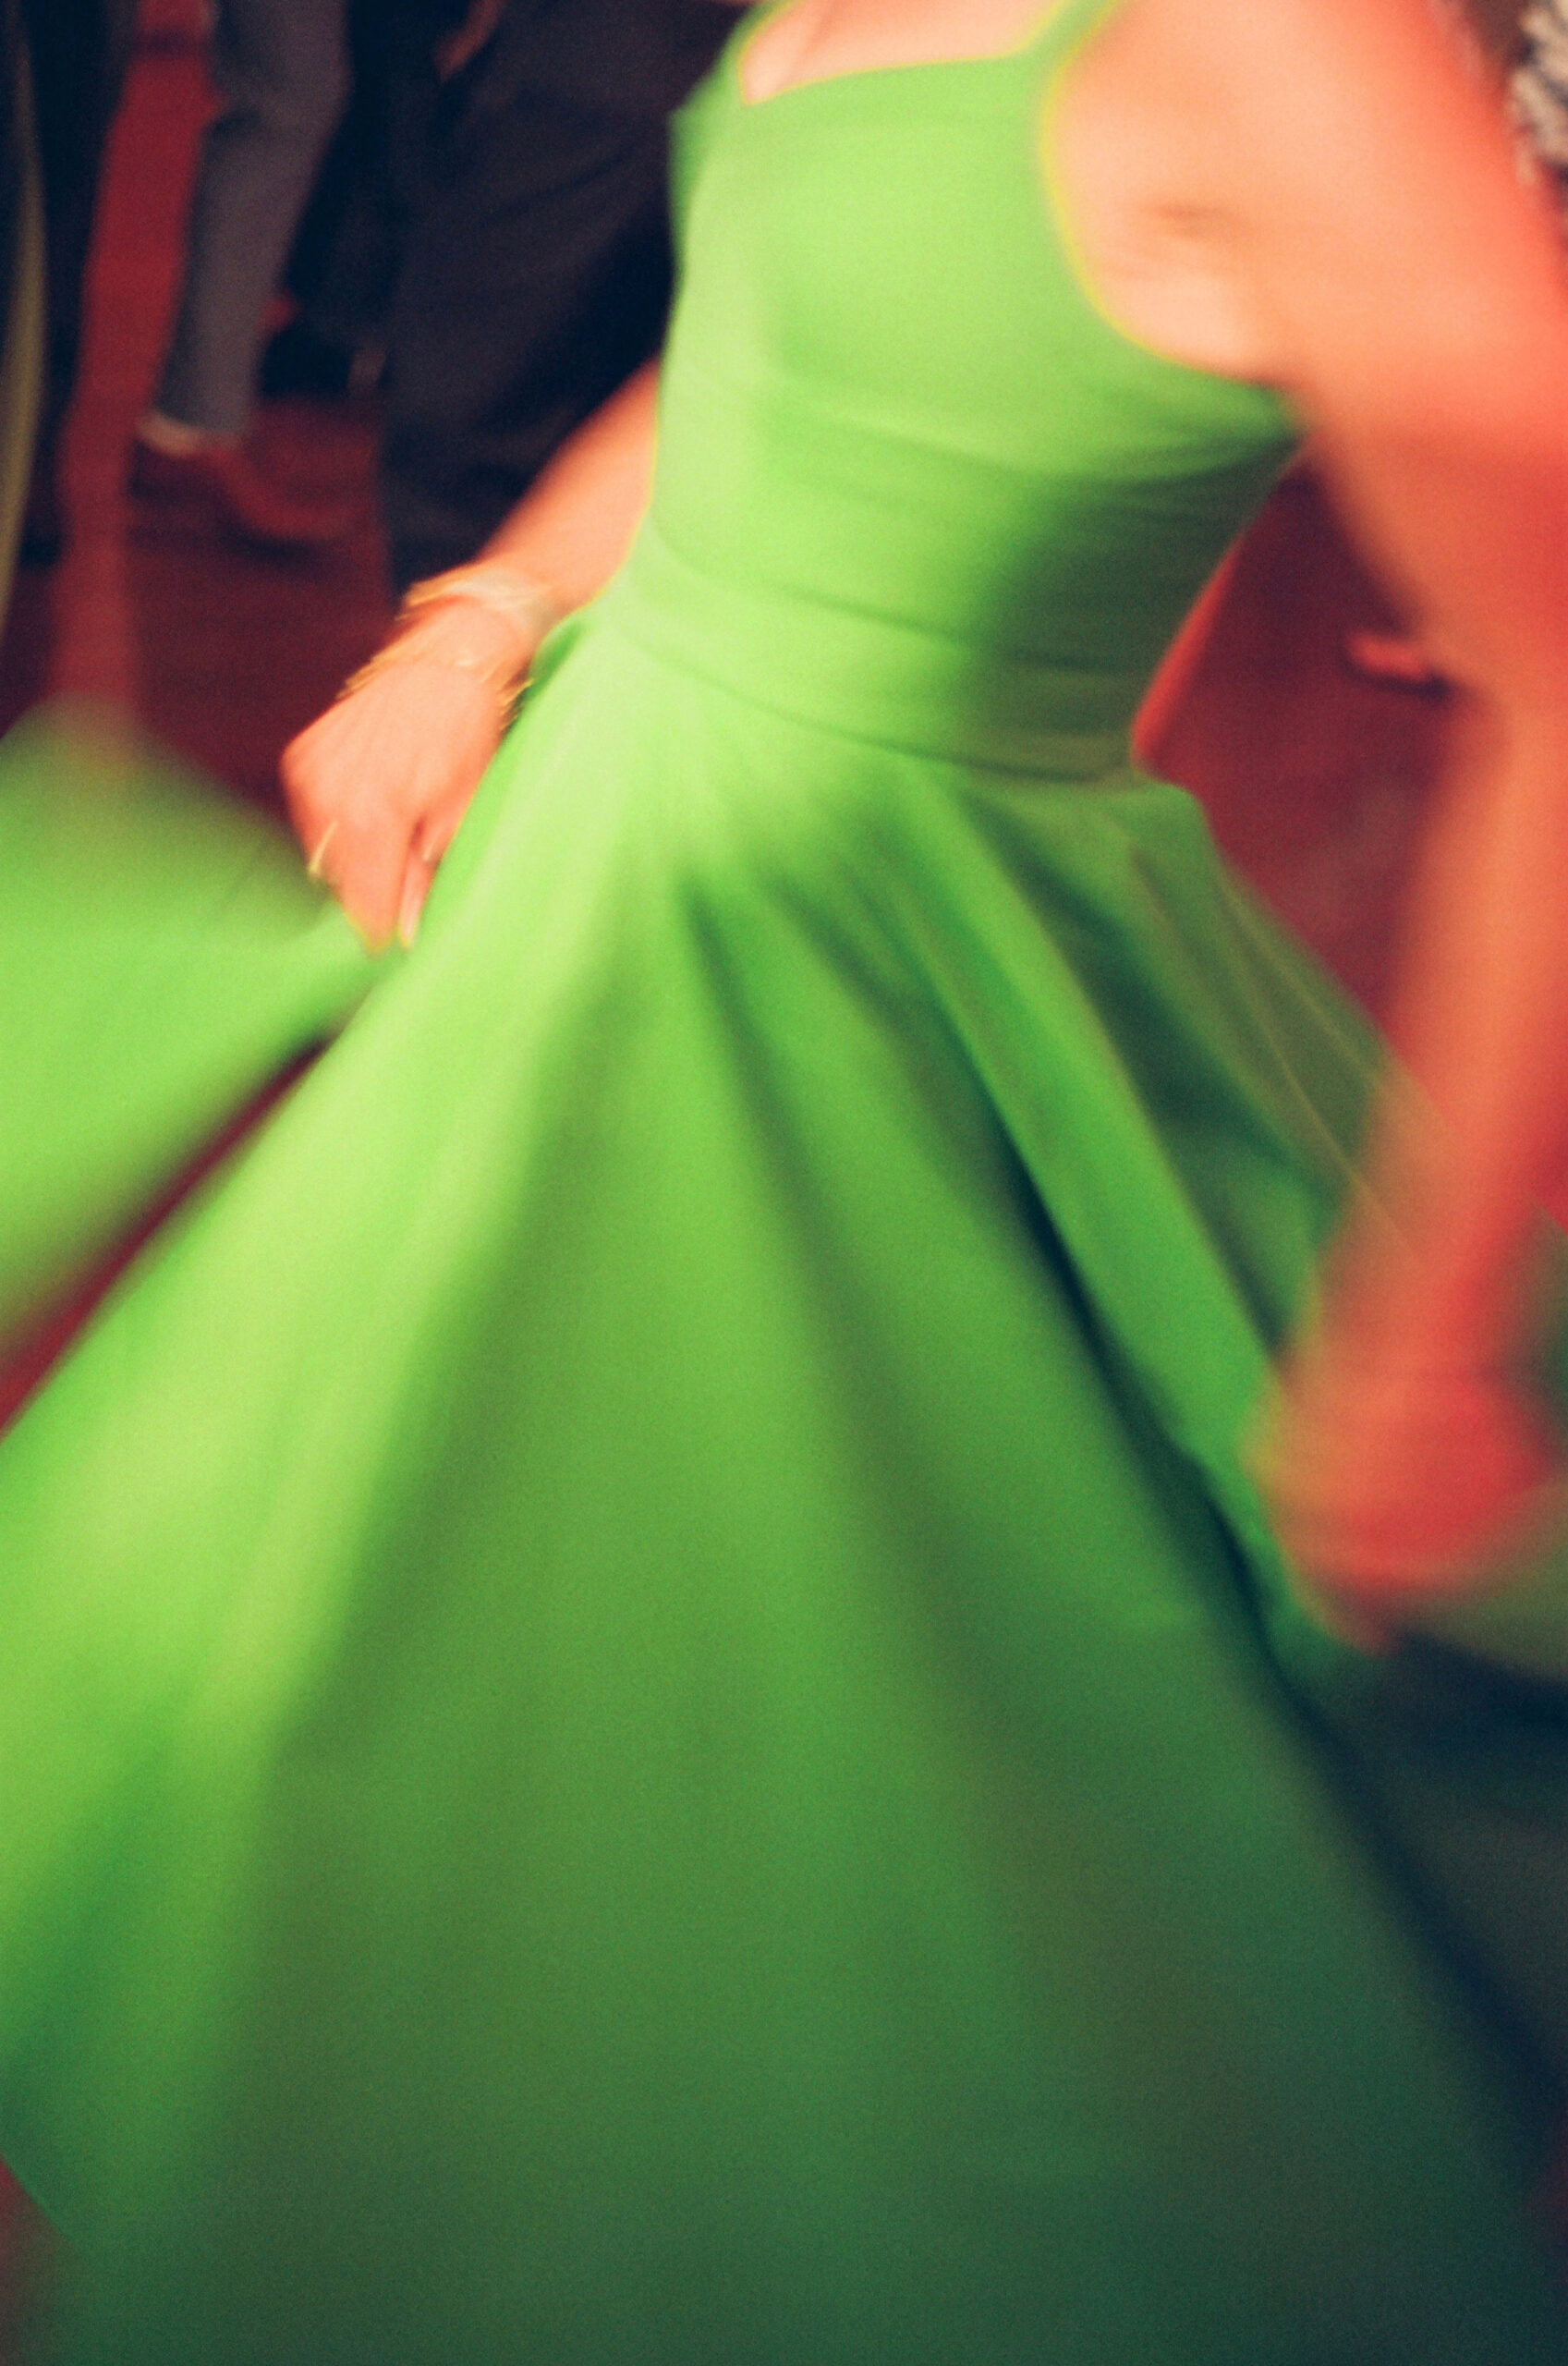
(872,677)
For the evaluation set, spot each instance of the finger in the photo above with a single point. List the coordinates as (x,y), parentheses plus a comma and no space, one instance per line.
(307,791)
(369,868)
(416,878)
(434,835)
(432,839)
(316,867)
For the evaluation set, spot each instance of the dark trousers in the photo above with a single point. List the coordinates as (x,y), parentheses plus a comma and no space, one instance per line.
(535,279)
(79,52)
(281,67)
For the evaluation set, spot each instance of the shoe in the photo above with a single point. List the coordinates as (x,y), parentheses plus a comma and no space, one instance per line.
(224,480)
(42,538)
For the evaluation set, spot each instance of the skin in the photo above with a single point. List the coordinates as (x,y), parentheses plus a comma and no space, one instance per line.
(377,786)
(1317,195)
(1374,257)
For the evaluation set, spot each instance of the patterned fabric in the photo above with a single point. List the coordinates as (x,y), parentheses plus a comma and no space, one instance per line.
(1539,89)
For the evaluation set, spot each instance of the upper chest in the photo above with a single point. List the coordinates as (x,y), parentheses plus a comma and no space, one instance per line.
(1124,166)
(812,41)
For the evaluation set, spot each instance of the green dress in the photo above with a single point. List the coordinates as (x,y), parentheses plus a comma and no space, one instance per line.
(647,1717)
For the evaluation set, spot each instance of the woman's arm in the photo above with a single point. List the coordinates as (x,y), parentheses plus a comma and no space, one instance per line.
(378,785)
(1326,200)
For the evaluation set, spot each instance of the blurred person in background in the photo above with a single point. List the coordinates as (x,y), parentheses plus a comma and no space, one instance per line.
(79,52)
(536,268)
(491,242)
(338,281)
(21,285)
(281,69)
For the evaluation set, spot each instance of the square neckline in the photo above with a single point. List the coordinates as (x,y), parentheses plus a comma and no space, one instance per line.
(746,35)
(1056,14)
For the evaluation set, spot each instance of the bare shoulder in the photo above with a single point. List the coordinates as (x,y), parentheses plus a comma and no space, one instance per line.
(1223,163)
(1323,195)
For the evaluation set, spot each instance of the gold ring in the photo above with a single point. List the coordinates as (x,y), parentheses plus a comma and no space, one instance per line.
(313,868)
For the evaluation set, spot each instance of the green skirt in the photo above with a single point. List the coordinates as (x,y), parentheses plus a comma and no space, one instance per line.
(647,1717)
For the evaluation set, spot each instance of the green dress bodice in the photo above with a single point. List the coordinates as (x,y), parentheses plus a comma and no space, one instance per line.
(911,483)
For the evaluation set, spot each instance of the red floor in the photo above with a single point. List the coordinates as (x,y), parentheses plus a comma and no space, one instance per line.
(1313,780)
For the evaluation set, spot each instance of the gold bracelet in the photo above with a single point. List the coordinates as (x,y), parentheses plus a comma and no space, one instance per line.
(507,680)
(491,583)
(406,651)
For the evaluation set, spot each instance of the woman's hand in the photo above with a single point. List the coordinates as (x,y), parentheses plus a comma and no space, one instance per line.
(377,787)
(1396,1485)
